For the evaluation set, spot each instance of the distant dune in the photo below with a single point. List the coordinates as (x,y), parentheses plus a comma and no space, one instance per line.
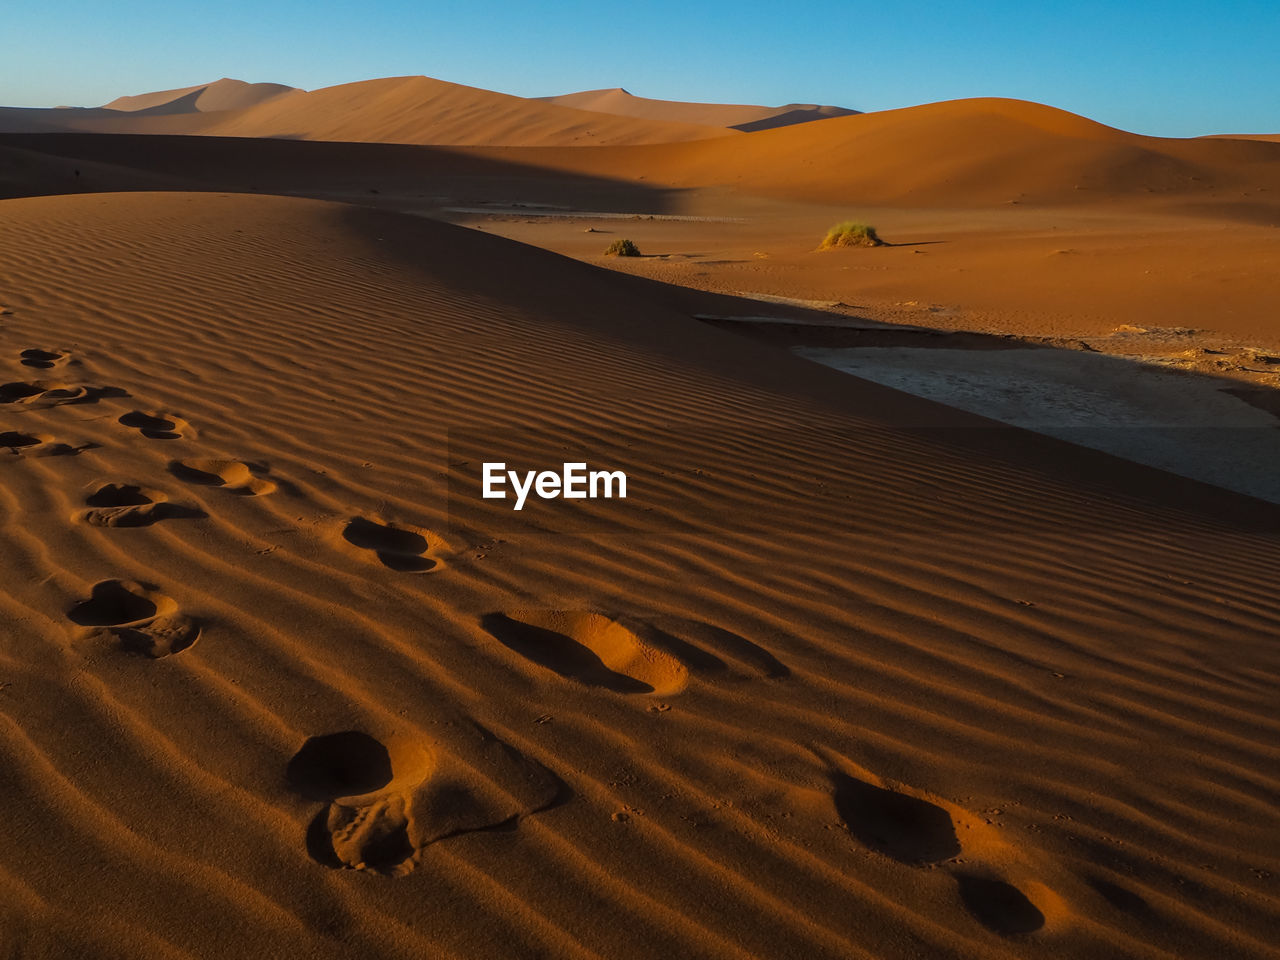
(394,110)
(997,152)
(736,116)
(955,153)
(224,94)
(423,110)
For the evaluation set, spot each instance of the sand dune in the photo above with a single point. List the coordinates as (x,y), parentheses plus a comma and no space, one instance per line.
(997,152)
(957,153)
(880,679)
(393,110)
(738,116)
(992,235)
(422,110)
(224,94)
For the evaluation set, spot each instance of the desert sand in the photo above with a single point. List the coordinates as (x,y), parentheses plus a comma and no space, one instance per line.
(851,673)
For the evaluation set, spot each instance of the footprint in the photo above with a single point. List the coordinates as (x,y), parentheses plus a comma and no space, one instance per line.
(1120,897)
(51,393)
(374,837)
(156,426)
(128,505)
(20,441)
(137,616)
(398,547)
(230,475)
(386,800)
(906,828)
(344,765)
(914,831)
(690,640)
(999,906)
(37,445)
(367,823)
(43,359)
(590,648)
(19,392)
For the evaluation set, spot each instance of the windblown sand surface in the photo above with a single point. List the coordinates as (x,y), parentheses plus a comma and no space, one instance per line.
(849,674)
(944,688)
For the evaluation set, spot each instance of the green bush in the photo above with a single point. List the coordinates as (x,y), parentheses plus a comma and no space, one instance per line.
(851,234)
(622,248)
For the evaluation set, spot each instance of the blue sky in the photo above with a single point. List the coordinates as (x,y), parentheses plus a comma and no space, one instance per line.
(1176,68)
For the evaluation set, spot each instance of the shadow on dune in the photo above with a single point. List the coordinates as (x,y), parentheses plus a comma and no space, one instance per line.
(660,325)
(114,162)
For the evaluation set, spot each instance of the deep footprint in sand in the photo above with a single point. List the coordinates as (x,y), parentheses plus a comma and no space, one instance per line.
(590,648)
(233,476)
(43,359)
(999,906)
(386,800)
(915,831)
(396,546)
(905,828)
(137,616)
(36,445)
(156,426)
(366,824)
(130,505)
(50,393)
(20,392)
(19,442)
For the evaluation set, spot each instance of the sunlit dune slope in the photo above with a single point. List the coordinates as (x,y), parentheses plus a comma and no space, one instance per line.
(740,116)
(957,153)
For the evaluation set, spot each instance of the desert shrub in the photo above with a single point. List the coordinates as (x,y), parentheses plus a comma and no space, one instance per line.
(851,234)
(622,248)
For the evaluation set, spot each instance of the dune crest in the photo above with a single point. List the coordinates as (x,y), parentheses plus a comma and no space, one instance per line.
(224,94)
(743,117)
(415,110)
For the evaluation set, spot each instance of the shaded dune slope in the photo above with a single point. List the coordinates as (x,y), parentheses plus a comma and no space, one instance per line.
(954,692)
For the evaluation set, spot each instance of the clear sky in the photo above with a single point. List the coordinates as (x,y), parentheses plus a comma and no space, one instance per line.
(1172,68)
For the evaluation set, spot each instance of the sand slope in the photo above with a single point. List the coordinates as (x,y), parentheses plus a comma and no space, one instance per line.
(738,116)
(869,690)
